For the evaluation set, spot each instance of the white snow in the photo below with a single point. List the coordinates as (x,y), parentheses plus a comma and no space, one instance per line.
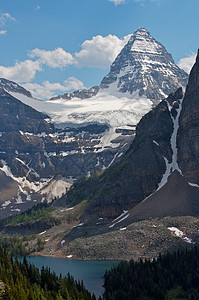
(119,155)
(23,181)
(124,228)
(16,209)
(80,224)
(166,174)
(180,234)
(114,158)
(193,184)
(42,232)
(174,139)
(6,203)
(156,143)
(56,188)
(67,209)
(102,108)
(120,216)
(145,46)
(171,167)
(119,219)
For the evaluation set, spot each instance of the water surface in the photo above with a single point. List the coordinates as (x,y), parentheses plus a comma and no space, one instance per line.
(91,272)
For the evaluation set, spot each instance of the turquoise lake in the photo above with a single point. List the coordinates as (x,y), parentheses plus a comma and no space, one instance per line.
(91,272)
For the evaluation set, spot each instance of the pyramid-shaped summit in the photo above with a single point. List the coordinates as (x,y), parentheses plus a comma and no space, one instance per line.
(143,68)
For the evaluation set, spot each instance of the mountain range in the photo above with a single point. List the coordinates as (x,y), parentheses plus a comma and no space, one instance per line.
(46,145)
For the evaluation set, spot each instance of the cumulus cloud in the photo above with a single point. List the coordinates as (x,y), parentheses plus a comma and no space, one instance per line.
(5,17)
(47,89)
(21,71)
(3,32)
(116,2)
(57,58)
(186,63)
(100,51)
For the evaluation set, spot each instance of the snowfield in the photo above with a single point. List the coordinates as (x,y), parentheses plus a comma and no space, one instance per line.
(102,108)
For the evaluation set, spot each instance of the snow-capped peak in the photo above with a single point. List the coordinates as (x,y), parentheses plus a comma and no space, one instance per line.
(143,66)
(142,41)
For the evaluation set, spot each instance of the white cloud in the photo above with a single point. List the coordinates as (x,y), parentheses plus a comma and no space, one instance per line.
(101,51)
(57,58)
(116,2)
(47,89)
(3,32)
(21,71)
(186,63)
(5,17)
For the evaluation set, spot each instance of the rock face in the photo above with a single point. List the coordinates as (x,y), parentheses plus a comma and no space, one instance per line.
(16,116)
(188,133)
(144,66)
(165,148)
(82,94)
(11,86)
(140,171)
(38,161)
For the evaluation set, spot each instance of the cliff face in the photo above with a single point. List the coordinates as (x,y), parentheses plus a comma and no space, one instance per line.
(16,116)
(188,133)
(140,171)
(166,143)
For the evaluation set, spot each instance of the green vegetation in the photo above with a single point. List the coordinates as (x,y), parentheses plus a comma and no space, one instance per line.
(39,211)
(19,246)
(21,281)
(170,276)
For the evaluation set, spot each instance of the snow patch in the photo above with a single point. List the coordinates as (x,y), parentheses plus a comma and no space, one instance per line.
(6,203)
(193,184)
(181,235)
(156,143)
(56,188)
(119,219)
(42,232)
(124,228)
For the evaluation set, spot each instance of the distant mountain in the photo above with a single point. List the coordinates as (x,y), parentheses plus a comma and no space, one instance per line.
(46,145)
(39,161)
(158,176)
(11,86)
(142,68)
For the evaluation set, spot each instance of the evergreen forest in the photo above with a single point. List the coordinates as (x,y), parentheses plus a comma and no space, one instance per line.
(23,281)
(170,276)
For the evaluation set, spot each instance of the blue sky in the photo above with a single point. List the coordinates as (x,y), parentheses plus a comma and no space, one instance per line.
(52,47)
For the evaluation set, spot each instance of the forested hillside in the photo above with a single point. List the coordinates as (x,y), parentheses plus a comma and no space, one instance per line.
(170,276)
(21,281)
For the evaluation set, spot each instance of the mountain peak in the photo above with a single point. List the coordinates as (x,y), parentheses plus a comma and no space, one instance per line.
(193,82)
(143,68)
(141,41)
